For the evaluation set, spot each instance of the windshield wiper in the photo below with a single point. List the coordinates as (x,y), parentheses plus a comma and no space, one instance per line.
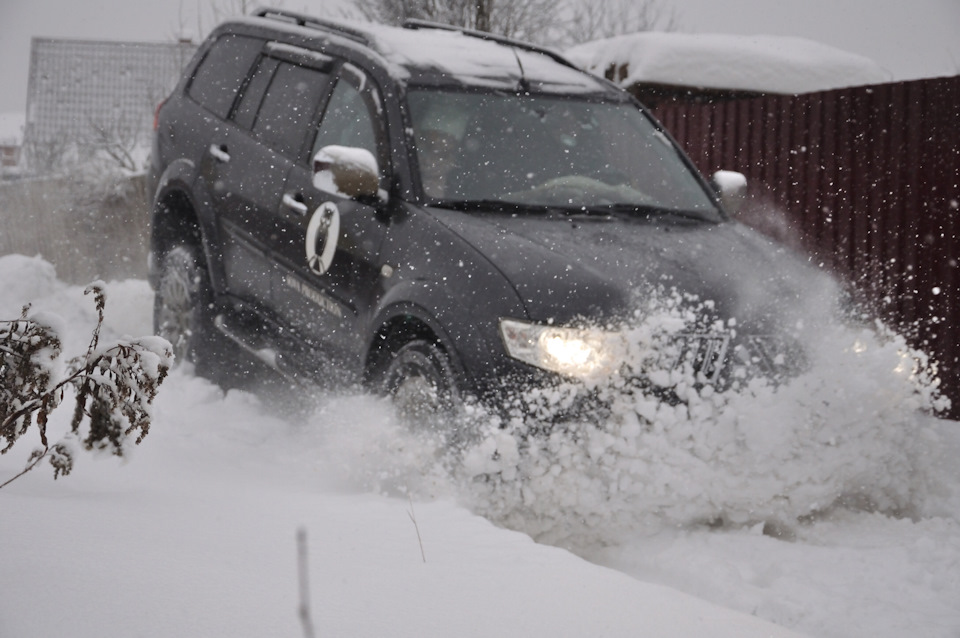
(492,205)
(501,206)
(644,211)
(648,212)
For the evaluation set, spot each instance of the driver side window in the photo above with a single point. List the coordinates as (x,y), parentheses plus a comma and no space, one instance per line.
(347,121)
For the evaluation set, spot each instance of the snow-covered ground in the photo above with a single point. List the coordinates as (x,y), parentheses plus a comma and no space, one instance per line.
(827,510)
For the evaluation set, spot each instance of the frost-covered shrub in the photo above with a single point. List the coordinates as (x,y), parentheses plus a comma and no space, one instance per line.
(113,388)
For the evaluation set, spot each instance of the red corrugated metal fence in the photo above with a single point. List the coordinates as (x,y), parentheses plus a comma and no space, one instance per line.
(866,178)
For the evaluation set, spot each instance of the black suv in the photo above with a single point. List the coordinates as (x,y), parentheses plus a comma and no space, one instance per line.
(431,211)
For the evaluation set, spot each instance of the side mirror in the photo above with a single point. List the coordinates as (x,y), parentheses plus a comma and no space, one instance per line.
(732,188)
(348,172)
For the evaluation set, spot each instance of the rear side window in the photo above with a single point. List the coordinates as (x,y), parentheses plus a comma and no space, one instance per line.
(288,107)
(246,111)
(222,71)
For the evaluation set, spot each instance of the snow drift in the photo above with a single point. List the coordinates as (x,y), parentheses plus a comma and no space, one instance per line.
(201,517)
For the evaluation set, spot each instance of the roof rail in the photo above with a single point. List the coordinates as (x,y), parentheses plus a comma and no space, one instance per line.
(304,20)
(412,23)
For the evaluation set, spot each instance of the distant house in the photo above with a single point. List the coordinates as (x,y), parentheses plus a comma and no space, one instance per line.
(11,141)
(684,67)
(86,94)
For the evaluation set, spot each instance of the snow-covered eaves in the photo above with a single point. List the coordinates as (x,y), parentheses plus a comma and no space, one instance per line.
(755,64)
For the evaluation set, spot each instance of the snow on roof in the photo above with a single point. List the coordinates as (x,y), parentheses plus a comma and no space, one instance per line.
(762,63)
(11,128)
(474,60)
(453,56)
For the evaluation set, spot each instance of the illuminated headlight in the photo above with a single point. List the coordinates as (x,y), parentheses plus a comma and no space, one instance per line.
(575,352)
(908,365)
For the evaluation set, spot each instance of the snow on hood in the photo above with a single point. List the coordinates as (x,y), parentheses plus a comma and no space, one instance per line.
(769,64)
(559,268)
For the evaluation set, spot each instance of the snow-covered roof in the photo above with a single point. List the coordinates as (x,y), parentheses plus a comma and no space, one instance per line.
(76,85)
(11,129)
(451,56)
(474,60)
(760,63)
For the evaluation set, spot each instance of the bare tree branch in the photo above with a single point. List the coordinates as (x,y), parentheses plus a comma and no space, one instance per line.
(545,22)
(597,19)
(117,138)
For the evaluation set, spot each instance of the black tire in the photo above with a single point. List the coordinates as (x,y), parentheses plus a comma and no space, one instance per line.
(183,314)
(422,382)
(182,307)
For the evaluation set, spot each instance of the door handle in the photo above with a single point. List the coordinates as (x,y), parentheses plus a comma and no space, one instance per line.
(294,201)
(220,153)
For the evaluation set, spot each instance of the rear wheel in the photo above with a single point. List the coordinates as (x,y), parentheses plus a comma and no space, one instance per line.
(183,315)
(181,311)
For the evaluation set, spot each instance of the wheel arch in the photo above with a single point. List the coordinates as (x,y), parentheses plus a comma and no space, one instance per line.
(402,323)
(175,217)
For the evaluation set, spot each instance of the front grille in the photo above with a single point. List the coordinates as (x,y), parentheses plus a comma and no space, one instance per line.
(706,354)
(719,359)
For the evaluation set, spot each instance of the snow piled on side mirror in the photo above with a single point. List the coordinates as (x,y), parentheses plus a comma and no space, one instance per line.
(346,171)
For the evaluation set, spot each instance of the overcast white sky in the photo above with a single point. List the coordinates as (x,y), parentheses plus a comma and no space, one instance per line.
(910,38)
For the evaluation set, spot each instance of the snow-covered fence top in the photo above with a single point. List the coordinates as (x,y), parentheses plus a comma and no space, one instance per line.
(758,64)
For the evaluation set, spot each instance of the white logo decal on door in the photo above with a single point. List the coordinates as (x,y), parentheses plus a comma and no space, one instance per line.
(324,226)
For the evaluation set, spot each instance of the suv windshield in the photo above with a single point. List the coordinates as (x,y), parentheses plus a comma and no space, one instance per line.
(537,151)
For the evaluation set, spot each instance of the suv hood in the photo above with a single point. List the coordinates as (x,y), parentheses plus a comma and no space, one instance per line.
(564,268)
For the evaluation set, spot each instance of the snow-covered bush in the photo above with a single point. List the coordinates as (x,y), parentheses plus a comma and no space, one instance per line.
(113,388)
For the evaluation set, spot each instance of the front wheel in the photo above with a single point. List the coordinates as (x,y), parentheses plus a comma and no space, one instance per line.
(423,385)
